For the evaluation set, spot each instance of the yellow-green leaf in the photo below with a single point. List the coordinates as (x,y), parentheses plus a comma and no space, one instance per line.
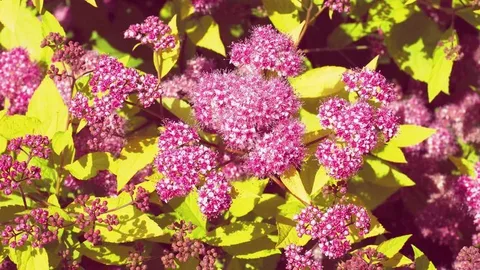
(88,165)
(421,261)
(321,179)
(237,233)
(38,4)
(28,257)
(283,14)
(295,32)
(51,24)
(291,179)
(287,233)
(205,33)
(47,105)
(108,254)
(189,210)
(319,82)
(62,140)
(165,61)
(392,246)
(3,144)
(408,2)
(465,166)
(136,154)
(410,135)
(92,2)
(248,193)
(390,153)
(442,67)
(372,65)
(179,108)
(376,229)
(397,260)
(18,125)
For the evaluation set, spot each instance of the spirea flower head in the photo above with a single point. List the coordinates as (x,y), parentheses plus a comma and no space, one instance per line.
(38,145)
(13,173)
(298,259)
(369,84)
(331,227)
(239,107)
(467,259)
(214,196)
(176,134)
(412,110)
(20,78)
(340,162)
(267,49)
(442,144)
(469,189)
(198,65)
(153,32)
(387,122)
(148,90)
(342,6)
(277,150)
(205,6)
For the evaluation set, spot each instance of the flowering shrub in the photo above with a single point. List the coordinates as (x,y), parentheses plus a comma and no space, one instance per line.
(273,134)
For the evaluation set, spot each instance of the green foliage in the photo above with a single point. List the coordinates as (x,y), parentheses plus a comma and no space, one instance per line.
(410,135)
(90,164)
(205,33)
(237,233)
(319,82)
(392,246)
(248,194)
(421,261)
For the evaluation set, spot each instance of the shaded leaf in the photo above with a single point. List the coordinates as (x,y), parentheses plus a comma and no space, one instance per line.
(237,233)
(248,193)
(90,164)
(392,246)
(205,33)
(291,179)
(109,254)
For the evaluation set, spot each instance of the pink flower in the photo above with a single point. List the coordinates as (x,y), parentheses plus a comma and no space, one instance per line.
(297,258)
(267,49)
(340,162)
(205,6)
(369,84)
(214,196)
(152,32)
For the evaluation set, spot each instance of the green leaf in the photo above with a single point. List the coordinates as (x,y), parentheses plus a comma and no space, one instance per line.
(442,67)
(38,4)
(237,233)
(166,60)
(345,34)
(27,258)
(287,233)
(291,179)
(179,108)
(205,33)
(410,135)
(14,126)
(268,205)
(392,246)
(136,154)
(470,16)
(51,24)
(259,248)
(397,261)
(319,82)
(88,165)
(62,140)
(321,179)
(103,46)
(108,254)
(408,2)
(291,207)
(3,144)
(92,2)
(372,65)
(465,166)
(133,224)
(247,195)
(283,14)
(411,47)
(47,105)
(421,261)
(189,210)
(376,229)
(390,153)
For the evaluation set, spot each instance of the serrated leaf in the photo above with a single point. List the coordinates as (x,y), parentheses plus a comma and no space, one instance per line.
(108,254)
(398,260)
(319,82)
(205,33)
(136,154)
(189,210)
(345,34)
(442,67)
(237,233)
(410,135)
(392,246)
(47,105)
(390,153)
(14,126)
(291,179)
(27,258)
(247,195)
(421,261)
(283,14)
(90,164)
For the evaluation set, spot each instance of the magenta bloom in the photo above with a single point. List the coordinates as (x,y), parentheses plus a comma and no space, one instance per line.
(442,144)
(240,107)
(387,122)
(277,150)
(467,259)
(176,134)
(297,258)
(342,6)
(267,49)
(20,78)
(152,32)
(412,110)
(198,65)
(205,6)
(341,163)
(331,227)
(214,196)
(369,84)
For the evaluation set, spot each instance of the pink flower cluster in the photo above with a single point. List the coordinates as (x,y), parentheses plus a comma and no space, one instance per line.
(111,83)
(356,126)
(20,78)
(467,259)
(153,32)
(469,189)
(205,6)
(342,6)
(38,227)
(267,49)
(240,108)
(369,84)
(214,196)
(38,145)
(297,259)
(364,259)
(330,228)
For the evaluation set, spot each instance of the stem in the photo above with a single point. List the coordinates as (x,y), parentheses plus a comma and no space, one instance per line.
(315,141)
(308,20)
(282,186)
(23,196)
(360,47)
(120,207)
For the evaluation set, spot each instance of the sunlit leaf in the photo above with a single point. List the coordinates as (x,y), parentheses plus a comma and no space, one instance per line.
(90,164)
(319,82)
(410,135)
(205,33)
(392,246)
